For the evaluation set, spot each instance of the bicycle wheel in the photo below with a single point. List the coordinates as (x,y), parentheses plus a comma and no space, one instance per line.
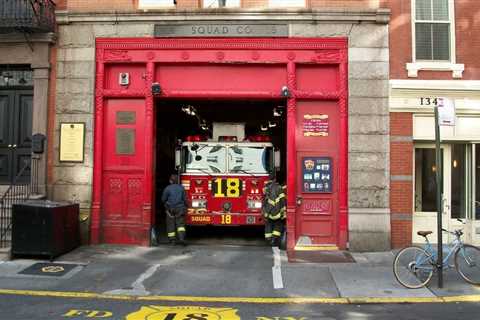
(413,267)
(467,263)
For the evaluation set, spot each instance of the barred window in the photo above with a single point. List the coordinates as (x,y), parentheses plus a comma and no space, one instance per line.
(432,30)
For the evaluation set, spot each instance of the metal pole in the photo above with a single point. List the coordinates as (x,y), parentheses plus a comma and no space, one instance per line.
(438,164)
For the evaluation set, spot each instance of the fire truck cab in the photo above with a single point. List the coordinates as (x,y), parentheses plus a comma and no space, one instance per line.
(224,177)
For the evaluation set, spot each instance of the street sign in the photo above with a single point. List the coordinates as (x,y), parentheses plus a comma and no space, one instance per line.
(446,112)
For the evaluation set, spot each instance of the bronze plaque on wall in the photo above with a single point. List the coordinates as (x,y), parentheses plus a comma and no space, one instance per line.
(125,141)
(125,117)
(72,142)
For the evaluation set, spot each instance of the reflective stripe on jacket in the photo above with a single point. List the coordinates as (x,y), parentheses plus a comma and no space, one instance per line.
(274,202)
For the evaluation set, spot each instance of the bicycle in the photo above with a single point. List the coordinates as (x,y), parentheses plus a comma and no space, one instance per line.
(413,266)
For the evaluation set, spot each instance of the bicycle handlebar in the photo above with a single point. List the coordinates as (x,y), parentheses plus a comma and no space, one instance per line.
(457,232)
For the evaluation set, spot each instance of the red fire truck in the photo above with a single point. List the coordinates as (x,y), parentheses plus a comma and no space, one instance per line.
(224,177)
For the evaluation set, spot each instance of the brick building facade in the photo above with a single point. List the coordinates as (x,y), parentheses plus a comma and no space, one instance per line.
(423,69)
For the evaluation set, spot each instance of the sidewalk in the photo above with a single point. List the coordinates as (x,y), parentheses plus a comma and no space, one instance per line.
(233,273)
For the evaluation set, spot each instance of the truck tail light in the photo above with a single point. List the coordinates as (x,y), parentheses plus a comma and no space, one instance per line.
(199,203)
(254,204)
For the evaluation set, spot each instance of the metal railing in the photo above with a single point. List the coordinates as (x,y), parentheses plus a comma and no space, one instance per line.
(24,185)
(27,16)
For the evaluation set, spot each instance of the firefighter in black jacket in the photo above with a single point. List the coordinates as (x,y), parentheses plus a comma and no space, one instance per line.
(174,200)
(274,211)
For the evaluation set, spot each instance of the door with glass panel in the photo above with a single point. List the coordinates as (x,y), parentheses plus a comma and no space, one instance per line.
(425,190)
(457,186)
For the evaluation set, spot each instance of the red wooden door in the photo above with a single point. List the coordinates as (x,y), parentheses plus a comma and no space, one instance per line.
(317,141)
(123,171)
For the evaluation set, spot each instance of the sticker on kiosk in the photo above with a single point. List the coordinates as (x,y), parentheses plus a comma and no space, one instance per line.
(317,174)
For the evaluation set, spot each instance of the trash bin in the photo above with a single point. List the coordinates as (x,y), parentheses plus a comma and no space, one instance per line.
(43,227)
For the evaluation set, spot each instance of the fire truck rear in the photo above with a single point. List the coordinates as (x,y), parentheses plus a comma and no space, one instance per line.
(224,177)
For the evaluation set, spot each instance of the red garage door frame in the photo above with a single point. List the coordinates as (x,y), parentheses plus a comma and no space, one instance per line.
(143,55)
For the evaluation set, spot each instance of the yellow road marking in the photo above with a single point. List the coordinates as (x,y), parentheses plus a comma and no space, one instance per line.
(385,300)
(253,300)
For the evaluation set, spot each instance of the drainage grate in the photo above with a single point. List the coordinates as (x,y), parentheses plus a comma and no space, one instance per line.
(49,269)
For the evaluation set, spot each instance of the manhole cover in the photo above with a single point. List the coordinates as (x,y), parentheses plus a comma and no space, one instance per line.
(48,269)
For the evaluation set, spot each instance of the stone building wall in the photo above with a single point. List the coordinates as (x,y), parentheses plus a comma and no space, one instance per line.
(367,31)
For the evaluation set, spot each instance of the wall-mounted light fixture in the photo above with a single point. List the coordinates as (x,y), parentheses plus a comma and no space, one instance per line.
(263,127)
(285,92)
(156,89)
(272,124)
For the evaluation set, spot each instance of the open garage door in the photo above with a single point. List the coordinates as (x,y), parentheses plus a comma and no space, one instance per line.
(227,150)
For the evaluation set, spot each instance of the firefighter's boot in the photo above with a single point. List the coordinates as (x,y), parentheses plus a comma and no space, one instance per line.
(181,236)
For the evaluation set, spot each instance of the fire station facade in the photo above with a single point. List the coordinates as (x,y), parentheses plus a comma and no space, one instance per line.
(114,69)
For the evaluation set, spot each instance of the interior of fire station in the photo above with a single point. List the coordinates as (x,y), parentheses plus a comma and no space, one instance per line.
(194,122)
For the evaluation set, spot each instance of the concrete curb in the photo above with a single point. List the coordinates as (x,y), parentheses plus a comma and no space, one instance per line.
(247,300)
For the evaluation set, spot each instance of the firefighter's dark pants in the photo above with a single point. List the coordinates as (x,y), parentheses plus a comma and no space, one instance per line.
(273,230)
(176,224)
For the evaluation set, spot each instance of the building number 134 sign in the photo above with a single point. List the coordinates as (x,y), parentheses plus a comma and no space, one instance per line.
(446,109)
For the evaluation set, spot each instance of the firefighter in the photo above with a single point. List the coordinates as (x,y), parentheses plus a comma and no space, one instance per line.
(174,200)
(274,211)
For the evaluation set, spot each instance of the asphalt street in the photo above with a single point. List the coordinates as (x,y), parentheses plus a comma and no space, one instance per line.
(220,283)
(21,307)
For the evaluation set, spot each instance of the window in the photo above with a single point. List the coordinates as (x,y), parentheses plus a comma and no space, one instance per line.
(155,4)
(432,30)
(221,3)
(250,160)
(425,180)
(286,3)
(203,158)
(433,38)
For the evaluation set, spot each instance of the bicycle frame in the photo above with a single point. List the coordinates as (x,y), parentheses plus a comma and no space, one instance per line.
(457,245)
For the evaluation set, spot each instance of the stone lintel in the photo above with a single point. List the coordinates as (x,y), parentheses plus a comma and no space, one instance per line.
(166,16)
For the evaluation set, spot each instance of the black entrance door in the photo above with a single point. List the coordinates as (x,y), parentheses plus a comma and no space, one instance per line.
(15,134)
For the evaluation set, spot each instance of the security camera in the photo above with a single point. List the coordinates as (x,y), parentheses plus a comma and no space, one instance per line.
(156,89)
(285,92)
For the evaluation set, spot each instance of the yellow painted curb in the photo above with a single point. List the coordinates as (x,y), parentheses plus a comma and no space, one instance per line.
(252,300)
(256,300)
(371,300)
(466,298)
